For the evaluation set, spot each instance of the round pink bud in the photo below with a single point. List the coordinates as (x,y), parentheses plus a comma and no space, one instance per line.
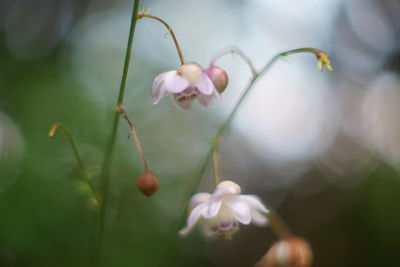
(218,77)
(148,183)
(289,252)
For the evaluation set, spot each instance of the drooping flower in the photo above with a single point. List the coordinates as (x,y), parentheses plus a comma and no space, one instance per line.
(187,83)
(222,212)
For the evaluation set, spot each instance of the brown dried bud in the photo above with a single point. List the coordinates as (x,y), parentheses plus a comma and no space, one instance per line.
(148,183)
(289,252)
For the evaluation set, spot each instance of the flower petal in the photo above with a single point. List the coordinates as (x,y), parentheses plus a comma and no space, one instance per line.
(157,90)
(175,83)
(198,199)
(185,105)
(157,84)
(194,217)
(212,209)
(205,85)
(158,97)
(258,218)
(240,209)
(254,202)
(205,100)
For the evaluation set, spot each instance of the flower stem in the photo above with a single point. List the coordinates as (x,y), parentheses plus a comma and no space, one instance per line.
(141,15)
(234,50)
(105,172)
(278,225)
(82,169)
(135,136)
(217,169)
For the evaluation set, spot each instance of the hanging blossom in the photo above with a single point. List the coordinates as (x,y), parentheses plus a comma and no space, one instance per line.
(221,212)
(190,82)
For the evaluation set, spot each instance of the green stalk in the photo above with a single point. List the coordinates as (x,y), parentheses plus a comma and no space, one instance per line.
(105,172)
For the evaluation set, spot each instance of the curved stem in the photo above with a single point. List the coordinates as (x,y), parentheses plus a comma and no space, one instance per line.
(237,51)
(82,169)
(71,141)
(105,172)
(135,136)
(141,15)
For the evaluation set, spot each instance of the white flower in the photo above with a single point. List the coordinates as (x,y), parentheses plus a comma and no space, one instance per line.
(221,213)
(186,83)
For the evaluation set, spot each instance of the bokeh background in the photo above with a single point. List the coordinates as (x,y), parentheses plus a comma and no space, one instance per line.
(323,149)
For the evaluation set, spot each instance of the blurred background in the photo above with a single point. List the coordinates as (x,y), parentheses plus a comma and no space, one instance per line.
(323,149)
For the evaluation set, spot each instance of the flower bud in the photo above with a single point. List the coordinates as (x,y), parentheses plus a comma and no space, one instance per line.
(148,183)
(218,77)
(289,252)
(191,71)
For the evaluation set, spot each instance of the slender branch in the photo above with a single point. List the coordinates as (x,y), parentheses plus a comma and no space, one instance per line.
(105,172)
(71,141)
(82,169)
(141,15)
(237,51)
(216,165)
(135,136)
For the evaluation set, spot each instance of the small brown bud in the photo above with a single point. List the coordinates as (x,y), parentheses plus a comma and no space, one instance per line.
(148,183)
(289,252)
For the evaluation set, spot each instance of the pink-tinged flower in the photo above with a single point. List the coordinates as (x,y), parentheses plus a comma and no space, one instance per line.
(187,83)
(221,213)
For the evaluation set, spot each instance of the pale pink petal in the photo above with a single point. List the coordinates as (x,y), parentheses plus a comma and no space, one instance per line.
(175,83)
(205,85)
(157,90)
(158,81)
(185,105)
(205,100)
(254,202)
(158,97)
(212,209)
(240,209)
(198,199)
(194,217)
(258,218)
(215,94)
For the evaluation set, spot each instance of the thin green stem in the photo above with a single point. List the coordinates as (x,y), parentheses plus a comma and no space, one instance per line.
(234,50)
(217,168)
(278,225)
(105,172)
(82,169)
(141,15)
